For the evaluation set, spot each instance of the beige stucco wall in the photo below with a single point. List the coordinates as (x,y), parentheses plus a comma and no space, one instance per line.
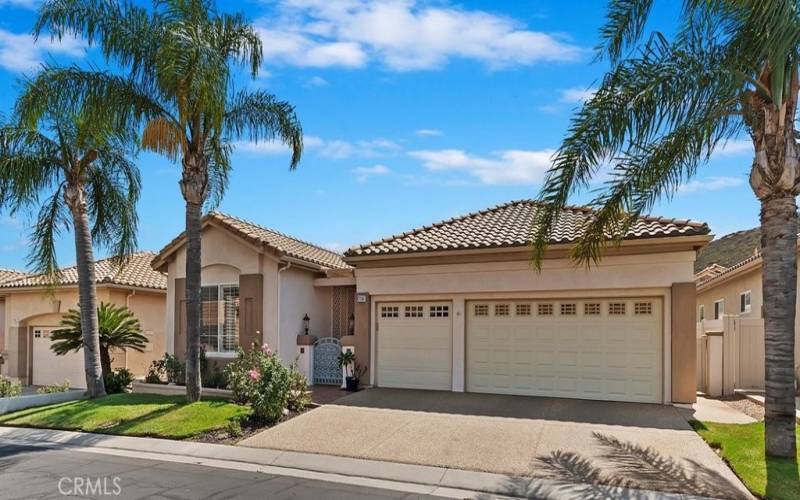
(729,290)
(2,324)
(299,297)
(289,288)
(25,309)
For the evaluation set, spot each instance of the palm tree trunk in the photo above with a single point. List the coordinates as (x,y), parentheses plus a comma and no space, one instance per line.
(193,270)
(87,295)
(779,247)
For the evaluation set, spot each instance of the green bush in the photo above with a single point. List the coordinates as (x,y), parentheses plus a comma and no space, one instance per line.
(54,388)
(175,370)
(118,380)
(299,395)
(211,375)
(258,378)
(234,429)
(156,372)
(9,388)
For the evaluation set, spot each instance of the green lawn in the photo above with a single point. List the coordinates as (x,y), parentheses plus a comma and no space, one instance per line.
(742,446)
(132,415)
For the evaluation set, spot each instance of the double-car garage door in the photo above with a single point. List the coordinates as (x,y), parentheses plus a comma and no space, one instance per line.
(609,349)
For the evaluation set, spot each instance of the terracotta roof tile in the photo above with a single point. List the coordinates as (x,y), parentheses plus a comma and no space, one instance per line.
(511,225)
(258,234)
(136,272)
(7,275)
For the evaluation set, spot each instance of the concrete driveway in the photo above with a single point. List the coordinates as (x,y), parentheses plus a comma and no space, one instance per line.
(624,444)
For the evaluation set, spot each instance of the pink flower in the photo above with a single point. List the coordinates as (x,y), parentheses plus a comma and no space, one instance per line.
(254,375)
(266,350)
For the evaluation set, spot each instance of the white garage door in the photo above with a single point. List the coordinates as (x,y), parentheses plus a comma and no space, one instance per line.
(606,349)
(51,369)
(415,345)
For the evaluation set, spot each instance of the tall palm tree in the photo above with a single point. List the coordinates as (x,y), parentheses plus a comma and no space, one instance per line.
(119,329)
(74,165)
(181,56)
(658,114)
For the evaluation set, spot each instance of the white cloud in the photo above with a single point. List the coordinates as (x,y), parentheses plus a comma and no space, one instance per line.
(336,247)
(340,150)
(262,147)
(403,35)
(364,173)
(511,166)
(316,81)
(428,132)
(19,53)
(576,95)
(710,184)
(735,147)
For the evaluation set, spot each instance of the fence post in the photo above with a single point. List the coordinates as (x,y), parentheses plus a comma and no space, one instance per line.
(730,329)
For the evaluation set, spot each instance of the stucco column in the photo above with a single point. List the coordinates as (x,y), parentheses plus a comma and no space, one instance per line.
(305,356)
(684,343)
(361,334)
(459,336)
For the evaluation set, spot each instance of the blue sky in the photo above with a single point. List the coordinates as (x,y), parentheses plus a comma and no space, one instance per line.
(414,111)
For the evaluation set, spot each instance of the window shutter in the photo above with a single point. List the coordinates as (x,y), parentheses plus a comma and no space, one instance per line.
(179,320)
(251,293)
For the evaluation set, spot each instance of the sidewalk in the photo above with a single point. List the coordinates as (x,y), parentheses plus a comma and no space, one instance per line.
(388,475)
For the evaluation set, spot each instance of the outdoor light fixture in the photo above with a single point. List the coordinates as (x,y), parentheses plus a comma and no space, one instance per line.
(306,319)
(351,324)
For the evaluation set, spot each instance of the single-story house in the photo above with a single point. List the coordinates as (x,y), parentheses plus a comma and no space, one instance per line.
(258,285)
(456,305)
(31,307)
(729,309)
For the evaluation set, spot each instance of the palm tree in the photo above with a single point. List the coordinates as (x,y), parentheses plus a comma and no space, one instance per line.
(659,113)
(119,329)
(181,55)
(73,165)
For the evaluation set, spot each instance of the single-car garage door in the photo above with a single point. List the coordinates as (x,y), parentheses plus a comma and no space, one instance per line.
(50,369)
(606,349)
(415,345)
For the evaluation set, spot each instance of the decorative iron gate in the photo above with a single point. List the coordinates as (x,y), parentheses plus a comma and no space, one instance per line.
(326,361)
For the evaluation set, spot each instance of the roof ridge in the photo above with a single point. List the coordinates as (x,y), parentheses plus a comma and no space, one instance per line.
(730,269)
(265,228)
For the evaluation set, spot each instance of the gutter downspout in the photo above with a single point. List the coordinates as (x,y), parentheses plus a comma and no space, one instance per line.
(280,270)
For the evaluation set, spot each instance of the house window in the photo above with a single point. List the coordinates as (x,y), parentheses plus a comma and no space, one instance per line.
(744,302)
(702,312)
(440,311)
(523,309)
(544,309)
(616,308)
(643,308)
(569,309)
(415,312)
(219,318)
(719,308)
(481,310)
(591,309)
(390,312)
(502,310)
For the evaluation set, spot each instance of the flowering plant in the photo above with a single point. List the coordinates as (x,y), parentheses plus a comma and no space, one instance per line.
(258,378)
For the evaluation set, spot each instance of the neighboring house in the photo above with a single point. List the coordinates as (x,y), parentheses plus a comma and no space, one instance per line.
(456,306)
(257,286)
(32,308)
(729,304)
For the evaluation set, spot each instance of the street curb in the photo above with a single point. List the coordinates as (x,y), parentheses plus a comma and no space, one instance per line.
(368,470)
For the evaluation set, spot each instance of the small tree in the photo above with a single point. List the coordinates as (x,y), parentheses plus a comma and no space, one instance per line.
(119,329)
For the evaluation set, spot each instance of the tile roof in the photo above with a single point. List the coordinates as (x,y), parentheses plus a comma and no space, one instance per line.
(136,272)
(261,235)
(756,257)
(11,275)
(511,225)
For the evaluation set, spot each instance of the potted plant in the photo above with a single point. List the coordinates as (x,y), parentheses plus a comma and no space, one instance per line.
(347,360)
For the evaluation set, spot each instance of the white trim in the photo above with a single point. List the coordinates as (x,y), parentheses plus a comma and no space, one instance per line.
(748,308)
(220,354)
(719,311)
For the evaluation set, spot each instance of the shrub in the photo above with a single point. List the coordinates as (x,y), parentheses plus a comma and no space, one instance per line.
(156,372)
(175,370)
(258,378)
(54,388)
(9,388)
(118,380)
(211,374)
(234,429)
(299,395)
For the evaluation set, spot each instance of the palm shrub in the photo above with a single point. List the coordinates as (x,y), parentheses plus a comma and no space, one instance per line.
(9,388)
(118,327)
(118,380)
(181,56)
(65,159)
(659,113)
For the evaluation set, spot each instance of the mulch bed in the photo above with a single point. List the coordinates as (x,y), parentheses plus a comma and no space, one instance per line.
(250,427)
(744,405)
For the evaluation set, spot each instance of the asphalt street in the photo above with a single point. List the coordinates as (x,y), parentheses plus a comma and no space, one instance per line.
(33,472)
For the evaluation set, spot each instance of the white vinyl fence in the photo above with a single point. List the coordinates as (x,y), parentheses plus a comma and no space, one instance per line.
(730,355)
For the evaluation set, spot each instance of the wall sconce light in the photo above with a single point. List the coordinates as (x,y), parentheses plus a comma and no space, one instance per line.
(306,320)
